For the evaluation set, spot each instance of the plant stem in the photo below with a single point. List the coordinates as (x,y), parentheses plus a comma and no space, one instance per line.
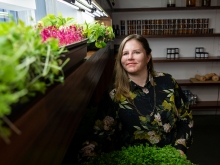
(11,125)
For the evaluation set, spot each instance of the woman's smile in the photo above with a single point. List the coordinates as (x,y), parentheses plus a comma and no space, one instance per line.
(134,59)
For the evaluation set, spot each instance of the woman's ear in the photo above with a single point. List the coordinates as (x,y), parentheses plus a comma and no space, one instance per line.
(148,57)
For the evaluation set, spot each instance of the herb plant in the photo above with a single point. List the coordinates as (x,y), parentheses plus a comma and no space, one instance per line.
(27,66)
(141,155)
(98,33)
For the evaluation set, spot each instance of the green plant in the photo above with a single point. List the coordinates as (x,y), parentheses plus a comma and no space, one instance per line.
(58,21)
(98,33)
(27,66)
(141,155)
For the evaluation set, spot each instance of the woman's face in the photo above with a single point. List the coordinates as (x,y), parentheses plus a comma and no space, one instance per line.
(134,58)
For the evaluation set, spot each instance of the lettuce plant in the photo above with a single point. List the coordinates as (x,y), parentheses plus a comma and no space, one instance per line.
(98,33)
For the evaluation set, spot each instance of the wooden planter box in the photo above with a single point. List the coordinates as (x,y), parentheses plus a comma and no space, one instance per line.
(49,125)
(76,53)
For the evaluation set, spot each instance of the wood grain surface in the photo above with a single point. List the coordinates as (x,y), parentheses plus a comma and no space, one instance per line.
(48,126)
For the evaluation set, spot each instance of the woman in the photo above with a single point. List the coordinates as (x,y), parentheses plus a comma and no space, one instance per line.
(143,107)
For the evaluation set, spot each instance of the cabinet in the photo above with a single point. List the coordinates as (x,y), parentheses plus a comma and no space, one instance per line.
(185,59)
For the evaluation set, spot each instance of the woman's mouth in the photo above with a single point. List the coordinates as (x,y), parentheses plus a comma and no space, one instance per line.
(130,64)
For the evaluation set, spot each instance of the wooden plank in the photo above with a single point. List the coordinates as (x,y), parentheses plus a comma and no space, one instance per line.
(188,82)
(174,35)
(194,80)
(205,105)
(164,9)
(186,59)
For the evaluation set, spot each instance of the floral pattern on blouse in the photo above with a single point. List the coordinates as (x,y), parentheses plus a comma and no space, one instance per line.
(158,114)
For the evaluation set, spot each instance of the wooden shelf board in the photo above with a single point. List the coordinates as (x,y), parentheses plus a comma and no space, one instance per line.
(187,82)
(164,9)
(174,35)
(205,104)
(186,59)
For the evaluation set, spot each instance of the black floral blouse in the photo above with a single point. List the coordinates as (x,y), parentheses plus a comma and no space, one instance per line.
(159,114)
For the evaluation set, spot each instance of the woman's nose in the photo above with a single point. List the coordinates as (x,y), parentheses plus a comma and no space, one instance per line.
(130,56)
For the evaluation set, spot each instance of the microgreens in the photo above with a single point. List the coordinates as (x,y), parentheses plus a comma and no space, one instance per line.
(27,66)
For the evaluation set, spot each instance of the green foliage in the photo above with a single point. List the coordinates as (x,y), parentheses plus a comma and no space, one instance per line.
(141,155)
(98,33)
(58,21)
(27,65)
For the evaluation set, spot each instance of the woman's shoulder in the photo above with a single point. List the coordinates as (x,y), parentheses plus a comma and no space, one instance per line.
(162,74)
(163,77)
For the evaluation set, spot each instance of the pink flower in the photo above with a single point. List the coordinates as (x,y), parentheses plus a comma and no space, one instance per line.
(154,139)
(66,35)
(88,150)
(181,141)
(108,121)
(167,127)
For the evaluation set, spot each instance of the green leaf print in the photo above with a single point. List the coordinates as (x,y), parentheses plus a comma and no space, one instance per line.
(138,128)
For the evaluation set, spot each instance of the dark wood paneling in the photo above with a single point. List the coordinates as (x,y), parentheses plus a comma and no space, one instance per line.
(49,125)
(75,54)
(165,8)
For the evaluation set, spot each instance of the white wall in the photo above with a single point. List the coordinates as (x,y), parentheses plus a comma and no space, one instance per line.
(29,10)
(186,45)
(17,5)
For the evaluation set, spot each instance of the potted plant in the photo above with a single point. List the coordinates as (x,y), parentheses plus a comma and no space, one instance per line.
(66,30)
(98,34)
(28,66)
(70,35)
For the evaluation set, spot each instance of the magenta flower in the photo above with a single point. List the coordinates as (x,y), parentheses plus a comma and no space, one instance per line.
(66,34)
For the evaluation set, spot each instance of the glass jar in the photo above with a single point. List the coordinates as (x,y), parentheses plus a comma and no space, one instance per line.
(190,3)
(171,3)
(176,55)
(206,2)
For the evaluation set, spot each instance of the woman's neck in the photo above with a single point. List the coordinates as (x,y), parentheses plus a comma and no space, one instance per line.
(139,79)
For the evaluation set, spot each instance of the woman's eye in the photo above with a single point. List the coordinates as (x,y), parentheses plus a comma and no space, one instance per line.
(137,52)
(125,53)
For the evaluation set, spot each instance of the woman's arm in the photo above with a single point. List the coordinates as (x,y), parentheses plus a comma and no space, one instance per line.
(184,122)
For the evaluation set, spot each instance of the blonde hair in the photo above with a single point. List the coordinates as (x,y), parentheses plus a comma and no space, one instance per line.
(121,83)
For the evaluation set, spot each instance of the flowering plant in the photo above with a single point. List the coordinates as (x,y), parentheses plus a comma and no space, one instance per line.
(66,35)
(66,30)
